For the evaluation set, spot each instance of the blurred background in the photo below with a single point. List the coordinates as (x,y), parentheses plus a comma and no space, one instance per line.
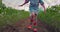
(15,3)
(14,18)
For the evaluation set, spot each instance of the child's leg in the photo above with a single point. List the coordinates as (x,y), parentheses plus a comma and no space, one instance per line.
(33,16)
(32,19)
(35,23)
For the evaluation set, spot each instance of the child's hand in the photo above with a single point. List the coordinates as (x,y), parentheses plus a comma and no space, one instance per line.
(20,5)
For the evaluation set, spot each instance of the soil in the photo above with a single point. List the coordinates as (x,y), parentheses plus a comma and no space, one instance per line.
(21,26)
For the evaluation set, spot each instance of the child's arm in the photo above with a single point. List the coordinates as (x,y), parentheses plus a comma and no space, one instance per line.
(44,8)
(26,1)
(42,4)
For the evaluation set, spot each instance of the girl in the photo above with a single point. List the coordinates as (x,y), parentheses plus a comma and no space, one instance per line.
(34,8)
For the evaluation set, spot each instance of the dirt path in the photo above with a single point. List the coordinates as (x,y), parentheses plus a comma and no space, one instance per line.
(22,24)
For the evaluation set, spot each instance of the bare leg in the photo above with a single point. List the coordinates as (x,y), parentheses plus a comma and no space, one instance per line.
(33,24)
(34,21)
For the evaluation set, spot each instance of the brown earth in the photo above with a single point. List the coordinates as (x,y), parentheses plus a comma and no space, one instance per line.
(21,26)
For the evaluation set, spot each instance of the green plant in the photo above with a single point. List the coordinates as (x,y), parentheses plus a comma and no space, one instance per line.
(52,16)
(11,16)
